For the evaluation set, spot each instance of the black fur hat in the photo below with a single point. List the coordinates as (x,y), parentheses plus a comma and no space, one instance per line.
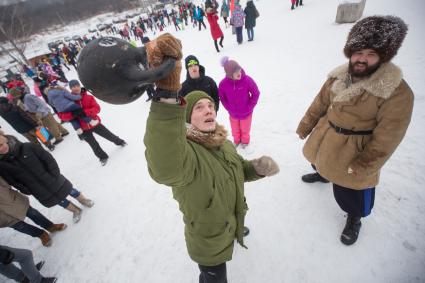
(384,34)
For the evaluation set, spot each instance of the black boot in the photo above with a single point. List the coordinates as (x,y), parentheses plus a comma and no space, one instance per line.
(216,46)
(313,177)
(351,230)
(48,280)
(245,231)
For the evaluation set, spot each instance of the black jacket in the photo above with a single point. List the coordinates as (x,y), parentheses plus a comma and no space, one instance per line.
(34,171)
(250,15)
(17,118)
(203,83)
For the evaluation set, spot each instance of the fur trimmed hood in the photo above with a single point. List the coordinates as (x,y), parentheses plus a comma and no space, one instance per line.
(381,83)
(208,140)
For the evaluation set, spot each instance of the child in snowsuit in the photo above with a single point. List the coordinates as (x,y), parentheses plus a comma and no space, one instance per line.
(64,101)
(239,94)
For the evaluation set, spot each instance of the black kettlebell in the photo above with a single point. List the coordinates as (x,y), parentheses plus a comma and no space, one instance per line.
(117,72)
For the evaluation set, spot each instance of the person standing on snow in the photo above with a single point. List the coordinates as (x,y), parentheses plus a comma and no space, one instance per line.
(216,32)
(224,13)
(237,21)
(239,94)
(251,14)
(40,112)
(21,122)
(359,118)
(91,108)
(15,207)
(34,171)
(199,16)
(29,272)
(205,172)
(197,80)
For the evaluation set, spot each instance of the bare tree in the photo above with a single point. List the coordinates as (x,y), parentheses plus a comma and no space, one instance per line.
(16,33)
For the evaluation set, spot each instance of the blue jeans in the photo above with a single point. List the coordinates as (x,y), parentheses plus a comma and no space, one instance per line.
(74,193)
(25,259)
(250,32)
(37,218)
(74,122)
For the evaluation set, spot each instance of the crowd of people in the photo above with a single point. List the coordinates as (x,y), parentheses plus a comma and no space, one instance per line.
(354,124)
(189,14)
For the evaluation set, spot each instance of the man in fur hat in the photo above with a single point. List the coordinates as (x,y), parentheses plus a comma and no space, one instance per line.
(358,119)
(187,150)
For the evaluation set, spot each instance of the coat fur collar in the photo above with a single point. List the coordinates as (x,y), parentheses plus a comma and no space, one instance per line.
(381,84)
(209,140)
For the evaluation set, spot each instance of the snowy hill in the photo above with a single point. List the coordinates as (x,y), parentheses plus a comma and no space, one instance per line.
(134,233)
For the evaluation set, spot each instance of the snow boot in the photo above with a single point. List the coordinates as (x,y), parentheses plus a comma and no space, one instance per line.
(85,201)
(103,161)
(76,212)
(313,177)
(57,227)
(245,231)
(45,239)
(48,280)
(351,230)
(123,144)
(40,265)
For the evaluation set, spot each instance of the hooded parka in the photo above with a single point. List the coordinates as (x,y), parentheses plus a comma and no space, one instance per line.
(203,83)
(382,103)
(208,183)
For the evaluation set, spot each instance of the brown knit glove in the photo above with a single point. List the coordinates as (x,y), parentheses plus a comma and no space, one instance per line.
(265,166)
(166,45)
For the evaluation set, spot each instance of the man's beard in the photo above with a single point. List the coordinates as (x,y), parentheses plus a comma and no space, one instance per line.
(368,70)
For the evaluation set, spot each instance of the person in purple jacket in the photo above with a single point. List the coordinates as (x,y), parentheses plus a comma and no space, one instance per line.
(239,94)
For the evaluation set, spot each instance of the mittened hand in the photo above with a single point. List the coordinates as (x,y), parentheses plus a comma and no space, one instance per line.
(265,166)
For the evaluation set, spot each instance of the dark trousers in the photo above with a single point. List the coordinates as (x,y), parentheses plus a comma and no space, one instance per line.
(221,43)
(103,132)
(239,36)
(37,218)
(213,274)
(26,261)
(355,202)
(201,22)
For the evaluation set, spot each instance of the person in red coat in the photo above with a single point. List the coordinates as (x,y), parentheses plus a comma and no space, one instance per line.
(216,32)
(91,108)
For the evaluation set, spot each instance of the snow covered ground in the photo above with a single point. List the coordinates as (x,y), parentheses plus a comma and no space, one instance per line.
(134,233)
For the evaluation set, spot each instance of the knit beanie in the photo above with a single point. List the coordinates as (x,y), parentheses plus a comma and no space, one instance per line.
(384,34)
(73,83)
(191,99)
(190,61)
(230,66)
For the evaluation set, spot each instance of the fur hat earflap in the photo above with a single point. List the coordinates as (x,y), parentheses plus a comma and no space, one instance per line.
(384,34)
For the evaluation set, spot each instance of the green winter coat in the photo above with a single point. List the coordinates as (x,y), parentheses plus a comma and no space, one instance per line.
(207,183)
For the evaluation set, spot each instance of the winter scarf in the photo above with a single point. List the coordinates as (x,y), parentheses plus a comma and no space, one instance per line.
(207,139)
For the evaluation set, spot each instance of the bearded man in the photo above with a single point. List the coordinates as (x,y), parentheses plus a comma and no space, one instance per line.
(358,119)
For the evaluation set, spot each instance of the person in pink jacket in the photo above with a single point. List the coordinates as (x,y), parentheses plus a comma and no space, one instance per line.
(239,94)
